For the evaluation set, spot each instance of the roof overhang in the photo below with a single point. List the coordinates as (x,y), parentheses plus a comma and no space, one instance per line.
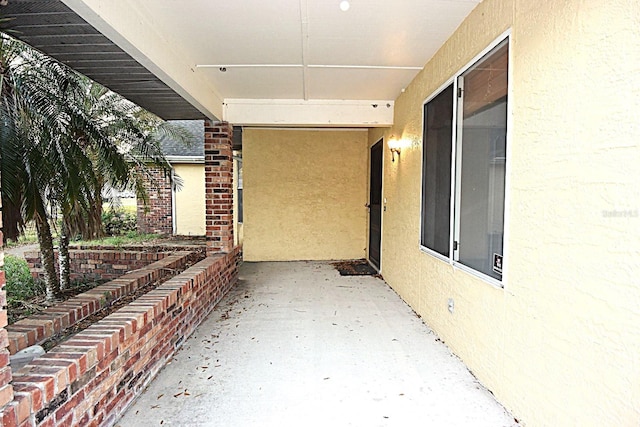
(55,29)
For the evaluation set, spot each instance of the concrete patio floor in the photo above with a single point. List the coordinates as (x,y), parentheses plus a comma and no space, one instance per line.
(295,344)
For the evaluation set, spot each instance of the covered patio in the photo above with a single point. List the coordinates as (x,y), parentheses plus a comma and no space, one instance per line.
(294,343)
(482,154)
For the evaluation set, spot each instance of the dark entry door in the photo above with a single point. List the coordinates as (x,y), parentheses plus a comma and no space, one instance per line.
(375,204)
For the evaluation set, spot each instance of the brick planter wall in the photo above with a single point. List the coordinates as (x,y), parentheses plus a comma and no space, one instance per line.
(106,262)
(6,389)
(92,378)
(40,327)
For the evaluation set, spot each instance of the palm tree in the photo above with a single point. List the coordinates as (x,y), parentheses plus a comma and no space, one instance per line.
(25,165)
(63,137)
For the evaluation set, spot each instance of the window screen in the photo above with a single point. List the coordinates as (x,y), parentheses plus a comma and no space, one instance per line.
(436,184)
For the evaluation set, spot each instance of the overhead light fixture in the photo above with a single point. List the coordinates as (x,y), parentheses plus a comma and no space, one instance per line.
(344,5)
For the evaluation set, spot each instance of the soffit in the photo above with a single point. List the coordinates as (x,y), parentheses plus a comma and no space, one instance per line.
(56,30)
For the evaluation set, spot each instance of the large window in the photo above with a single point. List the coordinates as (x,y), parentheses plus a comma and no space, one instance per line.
(464,153)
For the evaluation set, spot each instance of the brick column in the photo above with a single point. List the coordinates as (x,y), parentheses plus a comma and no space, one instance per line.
(218,172)
(7,413)
(157,216)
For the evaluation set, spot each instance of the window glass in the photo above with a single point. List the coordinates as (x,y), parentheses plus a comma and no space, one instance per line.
(481,161)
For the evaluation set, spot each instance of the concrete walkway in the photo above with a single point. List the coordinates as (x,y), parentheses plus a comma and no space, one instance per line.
(18,251)
(295,344)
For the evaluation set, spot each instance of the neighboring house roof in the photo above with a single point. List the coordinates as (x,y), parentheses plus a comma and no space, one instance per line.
(177,152)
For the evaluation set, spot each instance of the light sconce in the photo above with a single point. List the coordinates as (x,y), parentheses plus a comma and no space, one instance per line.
(394,146)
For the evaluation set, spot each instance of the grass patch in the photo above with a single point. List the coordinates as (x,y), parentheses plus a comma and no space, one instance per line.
(125,239)
(28,237)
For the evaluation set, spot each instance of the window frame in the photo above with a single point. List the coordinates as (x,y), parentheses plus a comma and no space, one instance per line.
(456,171)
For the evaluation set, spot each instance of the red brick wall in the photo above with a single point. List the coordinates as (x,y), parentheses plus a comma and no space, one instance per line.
(92,378)
(218,169)
(37,329)
(157,216)
(101,263)
(6,389)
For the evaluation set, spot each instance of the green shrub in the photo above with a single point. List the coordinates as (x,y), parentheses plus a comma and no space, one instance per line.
(20,284)
(117,222)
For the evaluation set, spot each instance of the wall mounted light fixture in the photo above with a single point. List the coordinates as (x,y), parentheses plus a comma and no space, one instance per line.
(394,146)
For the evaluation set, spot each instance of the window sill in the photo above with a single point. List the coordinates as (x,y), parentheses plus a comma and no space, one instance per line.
(459,266)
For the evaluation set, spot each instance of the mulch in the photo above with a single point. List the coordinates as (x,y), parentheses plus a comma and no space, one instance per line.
(99,315)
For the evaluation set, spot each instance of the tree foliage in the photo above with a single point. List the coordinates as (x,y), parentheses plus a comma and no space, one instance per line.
(63,138)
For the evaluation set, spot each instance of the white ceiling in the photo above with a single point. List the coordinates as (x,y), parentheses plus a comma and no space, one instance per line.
(291,49)
(308,55)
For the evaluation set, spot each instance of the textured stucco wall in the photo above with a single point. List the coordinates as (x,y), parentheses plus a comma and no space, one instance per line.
(190,200)
(560,344)
(304,194)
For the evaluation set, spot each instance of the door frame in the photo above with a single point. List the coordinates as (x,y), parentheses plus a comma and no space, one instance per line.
(382,201)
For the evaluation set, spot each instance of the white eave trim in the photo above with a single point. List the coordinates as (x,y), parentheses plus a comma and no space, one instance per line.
(298,112)
(185,159)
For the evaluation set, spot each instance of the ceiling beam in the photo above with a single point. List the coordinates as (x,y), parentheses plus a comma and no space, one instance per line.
(320,113)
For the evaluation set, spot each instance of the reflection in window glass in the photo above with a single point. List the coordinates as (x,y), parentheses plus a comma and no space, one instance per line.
(482,148)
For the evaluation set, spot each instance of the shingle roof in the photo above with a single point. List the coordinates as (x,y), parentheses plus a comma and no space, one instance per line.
(173,148)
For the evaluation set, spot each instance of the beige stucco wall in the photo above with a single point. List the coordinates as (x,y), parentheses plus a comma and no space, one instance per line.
(304,194)
(560,344)
(189,203)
